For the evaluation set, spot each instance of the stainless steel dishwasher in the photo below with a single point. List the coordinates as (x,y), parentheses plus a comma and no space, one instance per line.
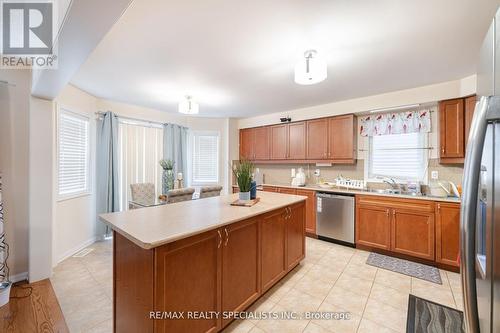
(335,218)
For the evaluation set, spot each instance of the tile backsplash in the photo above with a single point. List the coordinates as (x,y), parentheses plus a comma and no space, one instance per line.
(281,173)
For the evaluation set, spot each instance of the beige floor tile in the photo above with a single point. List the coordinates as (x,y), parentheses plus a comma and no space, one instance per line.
(255,329)
(368,326)
(419,283)
(389,296)
(347,325)
(329,262)
(459,302)
(347,300)
(260,306)
(394,280)
(354,284)
(277,292)
(299,301)
(282,325)
(363,271)
(385,315)
(315,328)
(440,297)
(313,286)
(103,327)
(239,326)
(324,273)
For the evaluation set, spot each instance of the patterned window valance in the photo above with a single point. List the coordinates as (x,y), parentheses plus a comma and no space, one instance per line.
(396,123)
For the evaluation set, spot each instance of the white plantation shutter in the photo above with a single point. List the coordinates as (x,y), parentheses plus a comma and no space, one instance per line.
(205,158)
(399,156)
(73,154)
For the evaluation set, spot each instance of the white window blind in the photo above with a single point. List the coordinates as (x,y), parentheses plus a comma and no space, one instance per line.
(73,154)
(399,156)
(205,158)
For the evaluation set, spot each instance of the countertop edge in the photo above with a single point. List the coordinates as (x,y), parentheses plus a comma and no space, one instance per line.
(361,192)
(176,237)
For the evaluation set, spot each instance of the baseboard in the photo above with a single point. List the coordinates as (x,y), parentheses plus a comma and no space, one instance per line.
(74,250)
(18,277)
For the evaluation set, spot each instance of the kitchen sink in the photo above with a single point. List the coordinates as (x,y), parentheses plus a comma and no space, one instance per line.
(386,191)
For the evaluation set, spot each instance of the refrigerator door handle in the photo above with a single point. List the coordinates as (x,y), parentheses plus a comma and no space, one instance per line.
(468,213)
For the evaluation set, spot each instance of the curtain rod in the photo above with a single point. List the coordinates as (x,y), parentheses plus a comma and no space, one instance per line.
(100,113)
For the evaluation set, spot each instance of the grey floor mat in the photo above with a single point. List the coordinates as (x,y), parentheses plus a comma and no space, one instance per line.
(428,317)
(406,267)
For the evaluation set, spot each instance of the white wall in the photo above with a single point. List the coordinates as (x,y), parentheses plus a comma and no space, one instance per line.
(75,218)
(40,188)
(425,94)
(14,165)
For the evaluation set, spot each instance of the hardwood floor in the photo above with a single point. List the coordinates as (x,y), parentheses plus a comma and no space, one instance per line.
(32,308)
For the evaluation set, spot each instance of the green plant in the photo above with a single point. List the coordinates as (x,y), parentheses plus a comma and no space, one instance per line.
(167,164)
(243,172)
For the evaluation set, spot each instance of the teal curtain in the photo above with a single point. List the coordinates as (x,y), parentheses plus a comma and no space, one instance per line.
(175,146)
(107,169)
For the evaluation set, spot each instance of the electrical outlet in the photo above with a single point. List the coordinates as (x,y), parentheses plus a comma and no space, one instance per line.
(317,172)
(434,175)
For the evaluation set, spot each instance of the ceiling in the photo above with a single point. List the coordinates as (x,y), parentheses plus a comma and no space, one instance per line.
(236,58)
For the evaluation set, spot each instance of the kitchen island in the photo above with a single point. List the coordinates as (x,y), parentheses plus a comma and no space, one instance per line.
(189,266)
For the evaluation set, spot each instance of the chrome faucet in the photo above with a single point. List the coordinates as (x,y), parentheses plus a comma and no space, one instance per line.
(392,183)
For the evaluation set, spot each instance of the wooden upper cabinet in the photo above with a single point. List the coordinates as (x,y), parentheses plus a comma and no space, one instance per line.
(447,233)
(317,139)
(297,141)
(451,130)
(240,266)
(342,138)
(247,136)
(413,232)
(310,210)
(470,106)
(261,143)
(295,232)
(279,141)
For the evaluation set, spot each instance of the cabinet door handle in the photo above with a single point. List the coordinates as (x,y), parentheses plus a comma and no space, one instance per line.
(439,207)
(220,239)
(387,212)
(227,236)
(393,212)
(442,150)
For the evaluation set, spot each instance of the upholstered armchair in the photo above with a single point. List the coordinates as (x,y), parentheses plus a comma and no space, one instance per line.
(142,193)
(179,195)
(210,191)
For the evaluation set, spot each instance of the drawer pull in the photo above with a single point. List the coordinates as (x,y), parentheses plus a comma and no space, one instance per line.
(220,239)
(227,236)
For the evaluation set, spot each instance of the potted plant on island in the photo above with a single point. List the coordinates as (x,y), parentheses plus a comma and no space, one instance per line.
(167,179)
(243,172)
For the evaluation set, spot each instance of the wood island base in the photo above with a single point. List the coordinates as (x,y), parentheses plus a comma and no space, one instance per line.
(207,276)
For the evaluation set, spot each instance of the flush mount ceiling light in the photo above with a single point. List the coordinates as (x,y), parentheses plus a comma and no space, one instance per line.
(188,106)
(311,69)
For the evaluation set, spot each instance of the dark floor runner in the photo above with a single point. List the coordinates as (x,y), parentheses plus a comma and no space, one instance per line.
(428,317)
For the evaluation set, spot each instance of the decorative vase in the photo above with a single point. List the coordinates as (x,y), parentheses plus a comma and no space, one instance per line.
(244,196)
(167,181)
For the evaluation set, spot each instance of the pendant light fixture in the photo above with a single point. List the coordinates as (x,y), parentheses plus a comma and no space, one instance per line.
(188,106)
(310,70)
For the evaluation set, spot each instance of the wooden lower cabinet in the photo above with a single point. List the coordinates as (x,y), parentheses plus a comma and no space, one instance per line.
(413,233)
(295,235)
(240,266)
(373,225)
(273,238)
(225,269)
(310,210)
(267,188)
(286,190)
(447,233)
(415,228)
(188,278)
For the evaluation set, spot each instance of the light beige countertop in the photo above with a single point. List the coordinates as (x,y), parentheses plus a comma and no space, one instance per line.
(352,191)
(155,226)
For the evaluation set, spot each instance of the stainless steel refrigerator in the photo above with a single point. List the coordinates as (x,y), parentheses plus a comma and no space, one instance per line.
(480,211)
